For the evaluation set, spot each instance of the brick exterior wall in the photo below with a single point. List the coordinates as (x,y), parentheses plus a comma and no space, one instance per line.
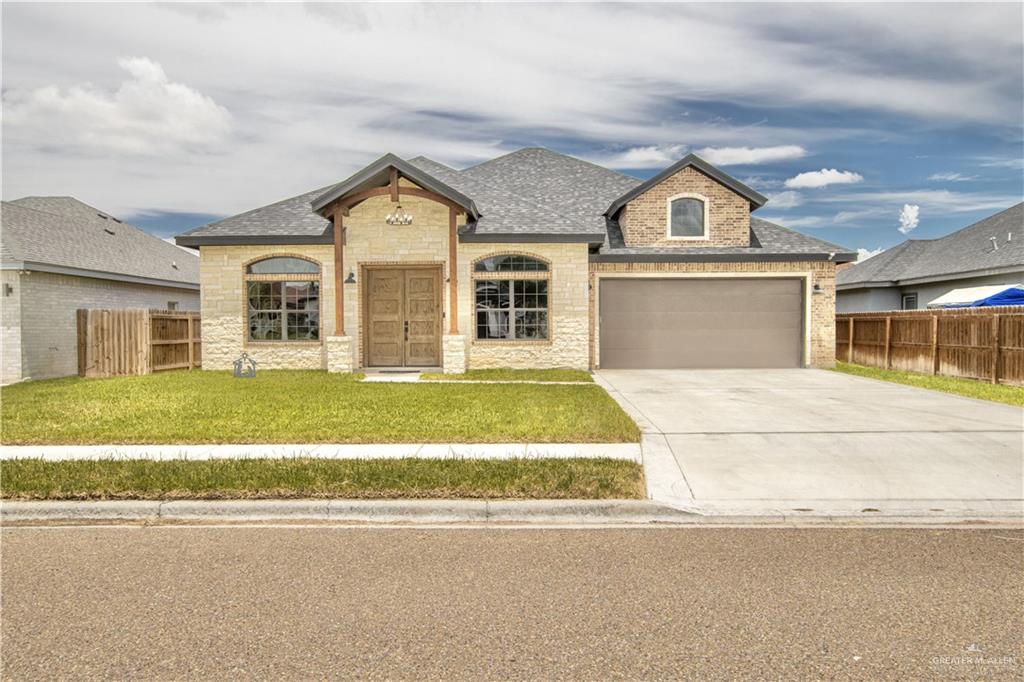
(823,304)
(10,333)
(41,312)
(644,220)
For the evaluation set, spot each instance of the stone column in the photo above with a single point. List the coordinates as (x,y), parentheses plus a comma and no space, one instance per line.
(454,360)
(338,354)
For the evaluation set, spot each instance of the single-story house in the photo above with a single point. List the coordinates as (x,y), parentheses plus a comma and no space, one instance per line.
(57,255)
(956,269)
(530,260)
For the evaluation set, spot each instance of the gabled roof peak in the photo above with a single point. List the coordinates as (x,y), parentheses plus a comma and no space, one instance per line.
(756,199)
(377,174)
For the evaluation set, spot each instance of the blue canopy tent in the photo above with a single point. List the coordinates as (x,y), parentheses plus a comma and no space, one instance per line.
(1011,295)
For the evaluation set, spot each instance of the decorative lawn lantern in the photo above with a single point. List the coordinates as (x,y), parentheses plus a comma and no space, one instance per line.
(245,367)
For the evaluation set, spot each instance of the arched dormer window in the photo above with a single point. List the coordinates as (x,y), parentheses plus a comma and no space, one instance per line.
(688,217)
(283,299)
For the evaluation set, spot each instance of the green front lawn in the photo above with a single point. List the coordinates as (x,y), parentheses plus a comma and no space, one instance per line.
(971,388)
(304,407)
(320,478)
(514,375)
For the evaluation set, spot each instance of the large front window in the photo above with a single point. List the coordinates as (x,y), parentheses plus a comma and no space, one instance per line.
(511,304)
(283,300)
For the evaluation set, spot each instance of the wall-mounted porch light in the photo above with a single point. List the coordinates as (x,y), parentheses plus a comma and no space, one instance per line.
(351,279)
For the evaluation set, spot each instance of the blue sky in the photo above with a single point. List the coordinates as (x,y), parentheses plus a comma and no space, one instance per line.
(865,124)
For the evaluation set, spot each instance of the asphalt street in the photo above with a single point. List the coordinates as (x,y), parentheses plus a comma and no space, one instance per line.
(172,603)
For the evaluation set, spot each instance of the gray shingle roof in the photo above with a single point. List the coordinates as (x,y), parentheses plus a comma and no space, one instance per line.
(289,220)
(532,194)
(66,233)
(966,251)
(767,240)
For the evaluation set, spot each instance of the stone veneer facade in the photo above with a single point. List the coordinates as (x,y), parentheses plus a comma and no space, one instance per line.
(370,241)
(573,284)
(823,302)
(644,220)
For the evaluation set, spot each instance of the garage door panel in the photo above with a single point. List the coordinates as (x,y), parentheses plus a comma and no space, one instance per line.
(684,323)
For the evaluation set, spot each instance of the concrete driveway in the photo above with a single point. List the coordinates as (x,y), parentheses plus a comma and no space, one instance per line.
(763,441)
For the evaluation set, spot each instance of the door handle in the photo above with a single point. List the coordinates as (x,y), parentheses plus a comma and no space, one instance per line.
(407,330)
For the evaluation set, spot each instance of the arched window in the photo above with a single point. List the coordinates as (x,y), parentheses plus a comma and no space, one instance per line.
(511,296)
(280,265)
(511,263)
(283,299)
(687,217)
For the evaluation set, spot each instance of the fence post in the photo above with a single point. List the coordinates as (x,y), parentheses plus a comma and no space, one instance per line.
(849,344)
(888,328)
(995,348)
(935,344)
(191,345)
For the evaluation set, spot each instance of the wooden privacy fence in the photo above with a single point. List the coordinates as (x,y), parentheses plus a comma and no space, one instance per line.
(976,343)
(137,341)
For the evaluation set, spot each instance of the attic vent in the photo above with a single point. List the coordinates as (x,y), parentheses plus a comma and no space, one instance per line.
(174,264)
(102,216)
(995,246)
(116,220)
(108,230)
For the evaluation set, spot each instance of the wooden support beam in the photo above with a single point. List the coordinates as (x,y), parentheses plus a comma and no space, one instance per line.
(339,274)
(453,270)
(393,183)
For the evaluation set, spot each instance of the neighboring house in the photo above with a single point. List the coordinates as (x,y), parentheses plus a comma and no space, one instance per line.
(973,262)
(57,255)
(532,259)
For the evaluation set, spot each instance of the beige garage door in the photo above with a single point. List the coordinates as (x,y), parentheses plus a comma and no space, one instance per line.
(701,323)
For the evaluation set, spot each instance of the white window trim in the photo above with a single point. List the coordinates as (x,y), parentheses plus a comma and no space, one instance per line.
(707,217)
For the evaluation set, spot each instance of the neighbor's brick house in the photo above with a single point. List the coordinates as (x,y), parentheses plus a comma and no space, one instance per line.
(533,259)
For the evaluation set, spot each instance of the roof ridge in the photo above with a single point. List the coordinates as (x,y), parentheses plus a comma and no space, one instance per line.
(525,198)
(557,153)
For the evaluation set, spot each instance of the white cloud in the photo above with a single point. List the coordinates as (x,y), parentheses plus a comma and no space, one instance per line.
(951,177)
(735,156)
(785,200)
(823,178)
(147,114)
(315,108)
(803,221)
(651,156)
(864,254)
(934,200)
(852,216)
(910,216)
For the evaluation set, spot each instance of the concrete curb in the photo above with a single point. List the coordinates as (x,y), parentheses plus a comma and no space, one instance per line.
(475,512)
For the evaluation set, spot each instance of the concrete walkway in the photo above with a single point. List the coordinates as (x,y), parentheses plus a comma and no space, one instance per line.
(814,441)
(622,451)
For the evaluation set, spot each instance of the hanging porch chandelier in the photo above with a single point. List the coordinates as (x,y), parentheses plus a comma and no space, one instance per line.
(398,217)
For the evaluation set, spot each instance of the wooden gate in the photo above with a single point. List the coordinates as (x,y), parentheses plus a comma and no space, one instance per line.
(137,341)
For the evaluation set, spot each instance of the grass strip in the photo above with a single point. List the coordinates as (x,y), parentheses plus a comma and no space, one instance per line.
(295,406)
(971,388)
(513,375)
(34,479)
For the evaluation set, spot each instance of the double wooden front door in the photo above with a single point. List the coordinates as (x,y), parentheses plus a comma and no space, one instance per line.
(403,317)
